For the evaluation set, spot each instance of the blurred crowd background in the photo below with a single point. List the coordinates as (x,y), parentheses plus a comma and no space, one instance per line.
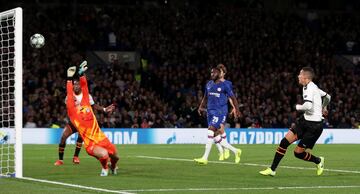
(263,50)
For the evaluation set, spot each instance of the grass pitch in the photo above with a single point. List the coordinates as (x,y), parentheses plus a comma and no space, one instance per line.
(170,169)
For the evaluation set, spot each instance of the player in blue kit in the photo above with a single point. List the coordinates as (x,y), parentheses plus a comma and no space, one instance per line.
(216,96)
(225,153)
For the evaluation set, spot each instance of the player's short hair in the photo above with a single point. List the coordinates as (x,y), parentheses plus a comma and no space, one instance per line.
(222,67)
(217,68)
(310,72)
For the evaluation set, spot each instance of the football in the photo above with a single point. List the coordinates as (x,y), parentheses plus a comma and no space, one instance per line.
(37,41)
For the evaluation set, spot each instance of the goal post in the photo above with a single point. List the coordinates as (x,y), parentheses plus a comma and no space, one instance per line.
(11,42)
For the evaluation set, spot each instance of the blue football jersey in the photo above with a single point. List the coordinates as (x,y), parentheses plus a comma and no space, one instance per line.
(218,94)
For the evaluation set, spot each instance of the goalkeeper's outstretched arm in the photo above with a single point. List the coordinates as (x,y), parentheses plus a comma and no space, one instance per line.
(83,82)
(84,87)
(70,103)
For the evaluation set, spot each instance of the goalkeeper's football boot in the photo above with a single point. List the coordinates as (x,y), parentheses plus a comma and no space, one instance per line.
(104,172)
(226,154)
(76,160)
(268,172)
(113,170)
(237,156)
(320,166)
(201,161)
(59,163)
(221,157)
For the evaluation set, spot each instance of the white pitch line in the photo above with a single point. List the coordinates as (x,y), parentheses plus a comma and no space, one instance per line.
(243,188)
(76,186)
(248,164)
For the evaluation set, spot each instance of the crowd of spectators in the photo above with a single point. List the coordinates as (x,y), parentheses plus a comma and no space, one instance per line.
(263,52)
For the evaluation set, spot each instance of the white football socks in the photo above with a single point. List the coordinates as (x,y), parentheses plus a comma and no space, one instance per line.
(224,143)
(217,143)
(208,145)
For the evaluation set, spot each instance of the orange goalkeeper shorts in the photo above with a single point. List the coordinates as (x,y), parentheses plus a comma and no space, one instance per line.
(105,143)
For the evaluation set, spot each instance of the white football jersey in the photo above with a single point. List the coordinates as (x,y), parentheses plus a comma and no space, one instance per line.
(312,94)
(79,98)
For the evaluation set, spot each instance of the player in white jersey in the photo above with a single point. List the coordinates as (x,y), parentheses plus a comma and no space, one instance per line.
(69,129)
(308,127)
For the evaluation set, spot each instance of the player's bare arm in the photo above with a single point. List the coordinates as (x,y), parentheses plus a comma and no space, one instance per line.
(233,109)
(326,98)
(108,109)
(235,105)
(202,105)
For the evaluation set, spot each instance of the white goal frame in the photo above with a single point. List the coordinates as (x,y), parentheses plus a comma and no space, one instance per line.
(18,64)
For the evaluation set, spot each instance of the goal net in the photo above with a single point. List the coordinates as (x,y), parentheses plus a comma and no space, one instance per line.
(11,93)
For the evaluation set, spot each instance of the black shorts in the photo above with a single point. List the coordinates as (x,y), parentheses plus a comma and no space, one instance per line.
(308,132)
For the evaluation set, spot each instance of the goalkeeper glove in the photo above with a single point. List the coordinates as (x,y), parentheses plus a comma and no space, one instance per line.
(71,72)
(82,68)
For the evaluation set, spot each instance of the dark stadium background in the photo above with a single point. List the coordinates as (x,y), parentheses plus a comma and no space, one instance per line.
(263,43)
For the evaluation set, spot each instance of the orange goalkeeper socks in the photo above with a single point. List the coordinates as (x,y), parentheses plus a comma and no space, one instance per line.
(104,161)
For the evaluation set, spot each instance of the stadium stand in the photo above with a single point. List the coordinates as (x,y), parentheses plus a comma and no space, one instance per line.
(262,50)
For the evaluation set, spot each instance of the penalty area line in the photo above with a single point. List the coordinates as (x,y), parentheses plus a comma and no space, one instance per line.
(248,164)
(75,186)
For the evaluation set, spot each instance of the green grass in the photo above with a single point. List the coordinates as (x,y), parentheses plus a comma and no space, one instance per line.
(145,173)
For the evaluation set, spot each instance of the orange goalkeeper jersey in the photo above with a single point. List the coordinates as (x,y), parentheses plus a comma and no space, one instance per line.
(82,116)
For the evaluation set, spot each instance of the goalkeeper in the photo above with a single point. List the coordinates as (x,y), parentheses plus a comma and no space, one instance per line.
(70,129)
(83,118)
